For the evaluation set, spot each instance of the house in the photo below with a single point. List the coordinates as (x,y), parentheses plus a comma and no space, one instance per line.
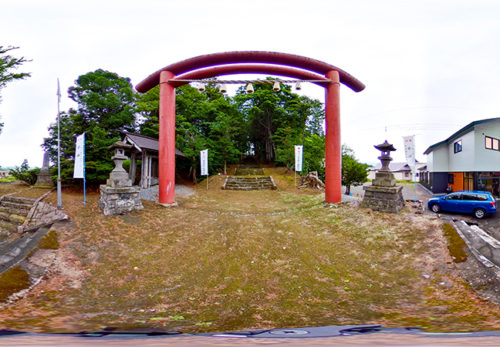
(467,160)
(401,171)
(146,149)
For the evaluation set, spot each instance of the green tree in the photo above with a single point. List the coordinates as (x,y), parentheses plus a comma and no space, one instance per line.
(8,64)
(353,172)
(314,154)
(105,108)
(277,120)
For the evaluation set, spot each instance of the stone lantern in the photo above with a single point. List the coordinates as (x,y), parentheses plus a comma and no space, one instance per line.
(118,195)
(119,177)
(384,194)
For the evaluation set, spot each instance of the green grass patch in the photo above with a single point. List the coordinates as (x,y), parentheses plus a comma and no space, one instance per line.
(12,281)
(455,244)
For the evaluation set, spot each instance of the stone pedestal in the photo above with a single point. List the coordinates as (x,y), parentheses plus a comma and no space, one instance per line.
(119,200)
(43,179)
(384,195)
(384,199)
(118,195)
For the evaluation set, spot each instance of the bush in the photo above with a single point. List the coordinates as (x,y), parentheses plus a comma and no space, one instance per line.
(25,174)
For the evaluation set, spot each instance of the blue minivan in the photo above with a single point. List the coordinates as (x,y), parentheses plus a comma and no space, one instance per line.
(474,202)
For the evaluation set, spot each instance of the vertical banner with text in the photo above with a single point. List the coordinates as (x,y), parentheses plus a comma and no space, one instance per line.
(409,142)
(298,158)
(79,169)
(204,162)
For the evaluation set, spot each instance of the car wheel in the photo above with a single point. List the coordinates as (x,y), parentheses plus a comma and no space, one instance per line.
(479,213)
(435,208)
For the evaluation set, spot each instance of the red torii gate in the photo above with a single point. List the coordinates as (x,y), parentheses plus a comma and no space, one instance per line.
(255,62)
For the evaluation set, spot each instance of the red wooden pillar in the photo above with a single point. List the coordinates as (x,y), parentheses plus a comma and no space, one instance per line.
(166,154)
(333,158)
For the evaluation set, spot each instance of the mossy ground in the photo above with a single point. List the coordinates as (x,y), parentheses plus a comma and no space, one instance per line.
(229,260)
(49,241)
(455,244)
(12,281)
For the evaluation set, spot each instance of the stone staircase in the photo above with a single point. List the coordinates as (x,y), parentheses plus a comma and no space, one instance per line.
(249,183)
(13,213)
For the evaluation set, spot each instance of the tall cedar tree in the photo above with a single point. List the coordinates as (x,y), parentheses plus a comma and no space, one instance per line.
(106,107)
(8,64)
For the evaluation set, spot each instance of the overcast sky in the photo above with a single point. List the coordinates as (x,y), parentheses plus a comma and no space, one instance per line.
(430,67)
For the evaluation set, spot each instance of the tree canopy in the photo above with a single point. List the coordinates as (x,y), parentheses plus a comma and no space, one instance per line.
(8,65)
(267,122)
(105,108)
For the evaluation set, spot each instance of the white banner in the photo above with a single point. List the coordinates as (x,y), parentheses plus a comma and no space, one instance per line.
(298,158)
(79,169)
(204,162)
(409,142)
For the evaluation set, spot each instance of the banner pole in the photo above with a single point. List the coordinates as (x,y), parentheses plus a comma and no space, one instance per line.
(84,179)
(59,193)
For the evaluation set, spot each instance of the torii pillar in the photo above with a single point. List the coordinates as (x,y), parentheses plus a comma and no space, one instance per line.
(166,150)
(333,155)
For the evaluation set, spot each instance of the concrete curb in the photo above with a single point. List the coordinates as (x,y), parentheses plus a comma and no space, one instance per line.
(16,251)
(485,248)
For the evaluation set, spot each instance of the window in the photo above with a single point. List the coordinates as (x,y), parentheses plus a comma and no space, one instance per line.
(491,143)
(457,146)
(472,197)
(454,196)
(451,178)
(468,181)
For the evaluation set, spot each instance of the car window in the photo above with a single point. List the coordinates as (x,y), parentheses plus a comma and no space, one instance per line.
(453,197)
(472,197)
(482,197)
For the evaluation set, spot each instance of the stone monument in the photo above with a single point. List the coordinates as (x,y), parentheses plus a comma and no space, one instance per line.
(384,195)
(118,195)
(43,179)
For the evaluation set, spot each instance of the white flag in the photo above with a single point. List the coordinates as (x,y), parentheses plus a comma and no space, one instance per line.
(410,151)
(204,162)
(79,170)
(298,158)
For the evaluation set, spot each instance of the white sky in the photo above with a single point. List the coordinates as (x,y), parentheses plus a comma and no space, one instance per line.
(430,67)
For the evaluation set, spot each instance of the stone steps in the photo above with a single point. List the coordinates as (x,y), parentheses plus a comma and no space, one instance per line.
(11,217)
(13,212)
(249,183)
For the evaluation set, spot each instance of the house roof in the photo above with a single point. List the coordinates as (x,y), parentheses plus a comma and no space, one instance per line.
(142,142)
(469,127)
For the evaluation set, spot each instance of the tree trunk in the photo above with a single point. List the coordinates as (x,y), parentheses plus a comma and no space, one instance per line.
(348,190)
(225,171)
(195,180)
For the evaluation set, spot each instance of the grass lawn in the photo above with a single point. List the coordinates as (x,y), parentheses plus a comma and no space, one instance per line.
(228,260)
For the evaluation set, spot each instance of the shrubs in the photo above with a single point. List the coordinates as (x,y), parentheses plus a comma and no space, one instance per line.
(25,174)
